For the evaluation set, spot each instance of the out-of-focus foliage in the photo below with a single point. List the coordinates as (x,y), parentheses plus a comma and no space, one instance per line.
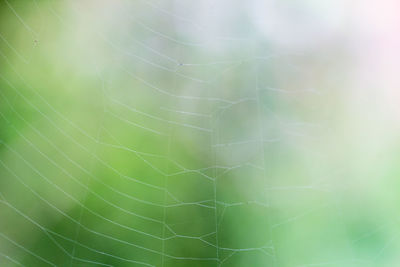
(197,133)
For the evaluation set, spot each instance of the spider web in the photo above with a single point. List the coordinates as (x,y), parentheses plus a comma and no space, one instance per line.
(153,133)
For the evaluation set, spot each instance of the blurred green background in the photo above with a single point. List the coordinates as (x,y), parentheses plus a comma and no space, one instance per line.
(198,133)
